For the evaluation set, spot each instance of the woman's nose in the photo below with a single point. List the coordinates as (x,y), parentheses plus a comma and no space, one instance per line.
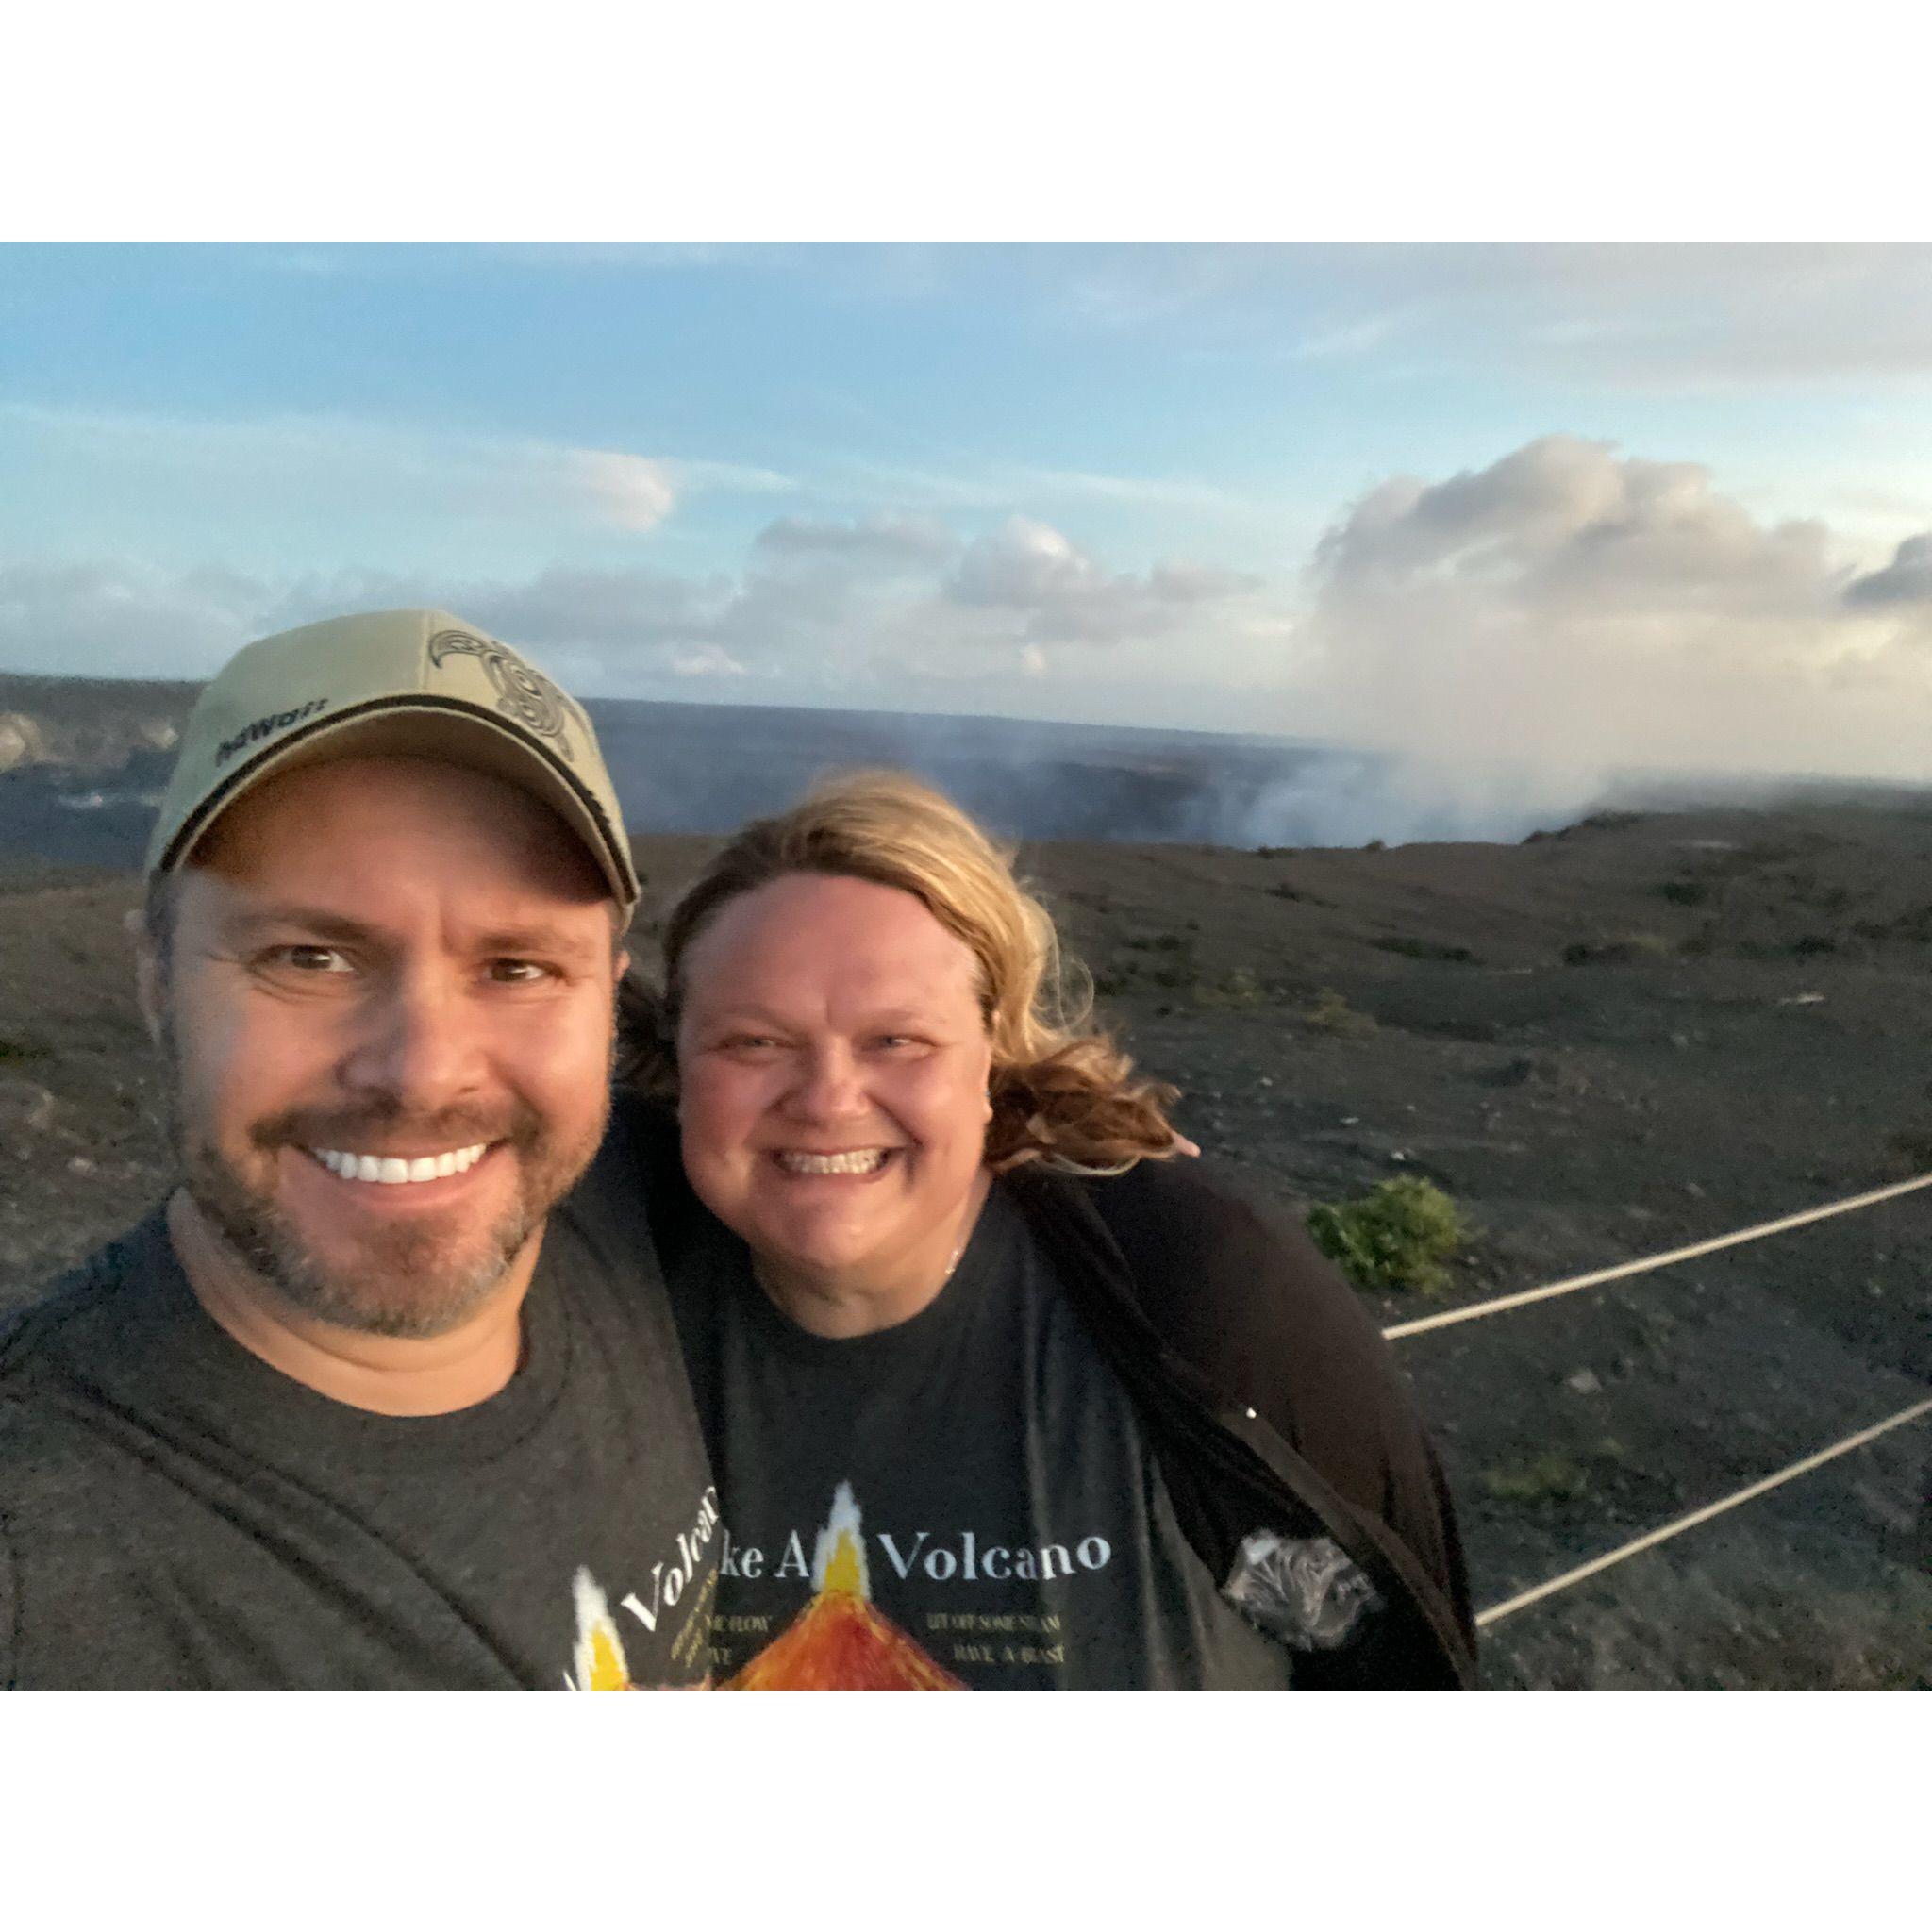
(829,1088)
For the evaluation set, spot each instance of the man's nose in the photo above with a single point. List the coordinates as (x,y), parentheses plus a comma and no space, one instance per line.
(829,1086)
(418,1042)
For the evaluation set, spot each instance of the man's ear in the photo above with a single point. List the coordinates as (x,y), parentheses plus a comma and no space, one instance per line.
(148,977)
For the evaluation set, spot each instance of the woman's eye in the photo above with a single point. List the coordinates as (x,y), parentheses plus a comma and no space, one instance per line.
(897,1042)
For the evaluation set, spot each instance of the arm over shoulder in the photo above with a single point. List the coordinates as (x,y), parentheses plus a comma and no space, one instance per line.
(1239,1290)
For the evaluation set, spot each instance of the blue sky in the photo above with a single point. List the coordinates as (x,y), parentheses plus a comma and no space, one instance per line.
(1430,493)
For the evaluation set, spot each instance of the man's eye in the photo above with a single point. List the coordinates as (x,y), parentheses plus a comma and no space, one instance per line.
(518,972)
(310,959)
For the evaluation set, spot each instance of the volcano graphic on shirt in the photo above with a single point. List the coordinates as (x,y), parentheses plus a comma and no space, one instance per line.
(600,1658)
(841,1641)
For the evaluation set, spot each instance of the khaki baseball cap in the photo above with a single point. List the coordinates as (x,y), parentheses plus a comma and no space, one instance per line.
(417,683)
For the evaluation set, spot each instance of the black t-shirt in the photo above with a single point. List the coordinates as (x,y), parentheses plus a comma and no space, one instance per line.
(176,1512)
(964,1500)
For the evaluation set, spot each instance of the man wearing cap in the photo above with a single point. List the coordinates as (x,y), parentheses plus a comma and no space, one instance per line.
(363,1403)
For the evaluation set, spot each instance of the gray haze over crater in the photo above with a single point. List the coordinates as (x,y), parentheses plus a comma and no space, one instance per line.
(82,764)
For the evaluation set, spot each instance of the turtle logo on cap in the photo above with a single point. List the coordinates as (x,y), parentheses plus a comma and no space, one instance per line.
(524,695)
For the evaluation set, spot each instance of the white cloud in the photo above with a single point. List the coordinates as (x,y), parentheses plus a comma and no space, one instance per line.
(1645,314)
(871,611)
(710,661)
(632,492)
(1022,563)
(1057,593)
(881,540)
(730,479)
(1571,611)
(994,486)
(100,619)
(341,469)
(1525,628)
(1906,579)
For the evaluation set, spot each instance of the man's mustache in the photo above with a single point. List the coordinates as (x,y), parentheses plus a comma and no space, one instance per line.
(344,1127)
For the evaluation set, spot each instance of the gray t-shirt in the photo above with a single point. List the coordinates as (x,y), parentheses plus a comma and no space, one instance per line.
(966,1499)
(176,1512)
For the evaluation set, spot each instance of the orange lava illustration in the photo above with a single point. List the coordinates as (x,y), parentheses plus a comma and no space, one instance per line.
(840,1641)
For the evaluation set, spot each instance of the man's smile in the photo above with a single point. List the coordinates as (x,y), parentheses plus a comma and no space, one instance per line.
(329,1182)
(396,1170)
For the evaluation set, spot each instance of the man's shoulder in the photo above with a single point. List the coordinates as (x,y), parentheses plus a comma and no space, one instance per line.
(57,1356)
(74,1316)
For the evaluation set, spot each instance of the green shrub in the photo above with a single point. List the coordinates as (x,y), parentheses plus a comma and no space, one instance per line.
(1423,949)
(18,1052)
(1238,988)
(1550,1477)
(1397,1236)
(1684,891)
(1624,950)
(1331,1013)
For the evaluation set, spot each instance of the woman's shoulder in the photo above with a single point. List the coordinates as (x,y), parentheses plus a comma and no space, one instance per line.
(1207,1246)
(1202,1211)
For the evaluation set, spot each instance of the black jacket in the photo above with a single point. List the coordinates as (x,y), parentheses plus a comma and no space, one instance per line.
(1270,1399)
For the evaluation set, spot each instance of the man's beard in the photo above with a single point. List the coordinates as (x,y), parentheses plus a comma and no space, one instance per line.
(409,1281)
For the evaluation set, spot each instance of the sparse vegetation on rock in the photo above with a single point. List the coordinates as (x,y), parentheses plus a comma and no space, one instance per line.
(1239,988)
(1412,948)
(1328,1012)
(1553,1477)
(1624,950)
(1396,1236)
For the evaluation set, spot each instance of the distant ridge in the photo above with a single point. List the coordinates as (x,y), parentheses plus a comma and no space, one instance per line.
(83,761)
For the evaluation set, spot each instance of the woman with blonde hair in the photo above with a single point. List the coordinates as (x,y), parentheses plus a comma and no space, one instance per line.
(998,1393)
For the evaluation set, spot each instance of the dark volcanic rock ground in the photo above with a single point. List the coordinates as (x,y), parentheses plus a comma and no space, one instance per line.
(1606,1042)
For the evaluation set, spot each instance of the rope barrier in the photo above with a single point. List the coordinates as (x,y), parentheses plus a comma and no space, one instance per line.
(1496,1612)
(1477,1309)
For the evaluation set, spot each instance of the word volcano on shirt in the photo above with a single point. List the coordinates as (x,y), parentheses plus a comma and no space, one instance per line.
(960,1560)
